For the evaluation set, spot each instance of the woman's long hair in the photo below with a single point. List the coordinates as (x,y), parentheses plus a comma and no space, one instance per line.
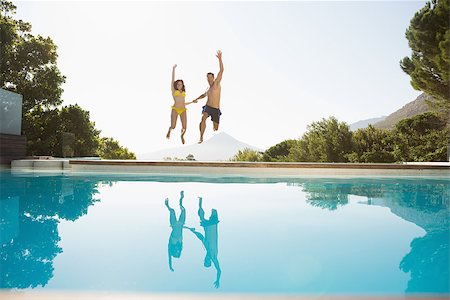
(183,89)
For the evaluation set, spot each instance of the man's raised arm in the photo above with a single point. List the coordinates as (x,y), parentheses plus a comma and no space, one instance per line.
(219,76)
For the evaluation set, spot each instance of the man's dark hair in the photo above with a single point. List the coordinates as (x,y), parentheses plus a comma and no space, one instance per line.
(210,74)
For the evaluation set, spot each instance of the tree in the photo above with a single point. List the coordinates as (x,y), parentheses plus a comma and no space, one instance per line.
(28,63)
(372,145)
(110,149)
(423,137)
(45,129)
(41,127)
(327,140)
(75,120)
(28,66)
(280,151)
(247,154)
(429,65)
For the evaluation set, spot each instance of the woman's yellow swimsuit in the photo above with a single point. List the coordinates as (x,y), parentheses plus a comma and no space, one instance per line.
(179,111)
(178,93)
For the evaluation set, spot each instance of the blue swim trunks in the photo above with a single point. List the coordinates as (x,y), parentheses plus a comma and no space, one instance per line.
(213,112)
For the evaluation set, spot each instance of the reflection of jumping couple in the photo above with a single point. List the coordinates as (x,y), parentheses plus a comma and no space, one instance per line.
(176,236)
(209,239)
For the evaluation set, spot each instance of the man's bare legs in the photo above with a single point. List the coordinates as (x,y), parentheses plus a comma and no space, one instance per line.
(216,126)
(203,126)
(182,218)
(173,122)
(183,118)
(201,212)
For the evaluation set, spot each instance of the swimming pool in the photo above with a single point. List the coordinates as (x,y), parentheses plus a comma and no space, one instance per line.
(273,236)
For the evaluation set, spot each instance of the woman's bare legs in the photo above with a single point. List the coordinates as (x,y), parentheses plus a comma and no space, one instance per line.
(183,118)
(173,122)
(173,218)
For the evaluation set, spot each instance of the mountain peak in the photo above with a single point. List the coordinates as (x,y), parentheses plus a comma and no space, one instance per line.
(221,137)
(221,146)
(410,109)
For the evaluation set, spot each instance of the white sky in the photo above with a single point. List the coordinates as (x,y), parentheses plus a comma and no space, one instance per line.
(287,64)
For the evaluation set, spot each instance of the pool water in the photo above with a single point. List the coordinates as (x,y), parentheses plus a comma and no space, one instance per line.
(296,236)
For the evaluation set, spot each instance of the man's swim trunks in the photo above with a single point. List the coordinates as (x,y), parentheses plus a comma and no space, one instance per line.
(213,112)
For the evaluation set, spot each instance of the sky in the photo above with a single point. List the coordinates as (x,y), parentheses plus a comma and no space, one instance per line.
(286,64)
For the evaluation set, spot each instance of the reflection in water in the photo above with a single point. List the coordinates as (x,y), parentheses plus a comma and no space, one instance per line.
(31,208)
(326,195)
(428,263)
(175,244)
(428,260)
(426,205)
(209,239)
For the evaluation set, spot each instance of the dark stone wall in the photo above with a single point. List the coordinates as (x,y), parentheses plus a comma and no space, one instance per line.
(12,147)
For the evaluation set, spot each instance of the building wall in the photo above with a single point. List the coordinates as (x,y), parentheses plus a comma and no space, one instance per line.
(12,144)
(10,112)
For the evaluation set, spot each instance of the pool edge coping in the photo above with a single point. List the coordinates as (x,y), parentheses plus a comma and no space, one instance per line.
(281,165)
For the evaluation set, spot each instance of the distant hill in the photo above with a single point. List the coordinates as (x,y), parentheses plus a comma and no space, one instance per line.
(222,146)
(365,123)
(416,107)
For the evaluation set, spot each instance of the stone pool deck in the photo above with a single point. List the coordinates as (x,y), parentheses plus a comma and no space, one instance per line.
(258,169)
(113,296)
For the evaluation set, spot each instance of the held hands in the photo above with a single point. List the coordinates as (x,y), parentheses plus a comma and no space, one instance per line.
(190,228)
(193,101)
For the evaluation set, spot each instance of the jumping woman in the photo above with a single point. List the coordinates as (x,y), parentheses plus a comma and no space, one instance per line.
(179,105)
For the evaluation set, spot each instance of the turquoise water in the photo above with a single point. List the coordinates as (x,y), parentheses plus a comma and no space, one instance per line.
(302,236)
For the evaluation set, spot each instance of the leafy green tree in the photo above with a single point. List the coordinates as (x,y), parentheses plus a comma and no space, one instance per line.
(8,35)
(77,121)
(45,128)
(279,152)
(424,137)
(28,66)
(28,63)
(327,140)
(41,127)
(372,145)
(299,152)
(429,65)
(247,154)
(110,149)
